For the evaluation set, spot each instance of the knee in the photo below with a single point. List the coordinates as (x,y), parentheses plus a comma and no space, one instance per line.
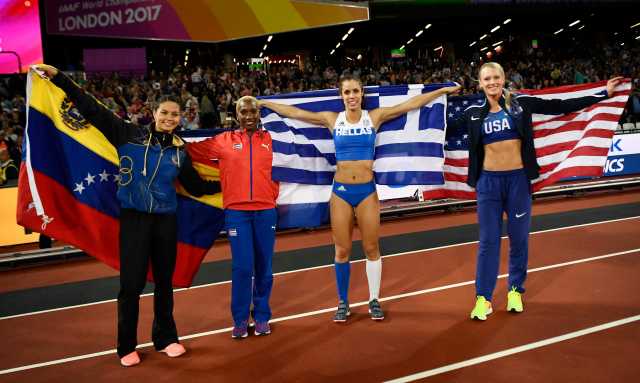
(342,253)
(242,271)
(372,251)
(131,290)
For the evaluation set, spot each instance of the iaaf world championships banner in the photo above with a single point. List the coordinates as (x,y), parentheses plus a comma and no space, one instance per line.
(193,20)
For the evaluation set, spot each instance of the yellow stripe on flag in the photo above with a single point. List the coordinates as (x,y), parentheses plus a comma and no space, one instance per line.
(47,99)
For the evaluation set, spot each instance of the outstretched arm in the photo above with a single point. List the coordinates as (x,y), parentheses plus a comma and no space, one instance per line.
(557,106)
(326,119)
(113,127)
(381,115)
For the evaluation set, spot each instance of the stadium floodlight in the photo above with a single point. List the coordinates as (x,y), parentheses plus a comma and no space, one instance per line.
(498,43)
(402,47)
(359,56)
(634,25)
(621,44)
(472,44)
(264,48)
(558,31)
(349,58)
(332,51)
(419,33)
(574,23)
(507,21)
(409,42)
(269,38)
(427,26)
(582,26)
(351,30)
(484,49)
(438,48)
(638,37)
(260,54)
(345,36)
(495,28)
(483,37)
(337,45)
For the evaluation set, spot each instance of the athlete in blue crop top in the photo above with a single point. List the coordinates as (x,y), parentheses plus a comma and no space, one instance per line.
(354,188)
(504,148)
(498,126)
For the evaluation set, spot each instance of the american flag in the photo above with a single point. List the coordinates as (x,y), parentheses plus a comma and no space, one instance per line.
(570,145)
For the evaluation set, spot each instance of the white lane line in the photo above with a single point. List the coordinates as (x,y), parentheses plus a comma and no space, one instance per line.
(515,350)
(317,312)
(315,268)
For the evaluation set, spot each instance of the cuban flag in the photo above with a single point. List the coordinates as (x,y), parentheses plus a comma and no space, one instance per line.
(409,150)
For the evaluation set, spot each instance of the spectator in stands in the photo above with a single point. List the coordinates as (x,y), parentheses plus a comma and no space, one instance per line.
(8,169)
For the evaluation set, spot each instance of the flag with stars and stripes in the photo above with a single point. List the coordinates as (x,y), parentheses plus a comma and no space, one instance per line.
(68,181)
(571,145)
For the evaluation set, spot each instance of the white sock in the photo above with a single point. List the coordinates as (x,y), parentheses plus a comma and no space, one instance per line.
(374,275)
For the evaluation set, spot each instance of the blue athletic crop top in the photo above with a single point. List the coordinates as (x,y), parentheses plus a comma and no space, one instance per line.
(354,141)
(498,126)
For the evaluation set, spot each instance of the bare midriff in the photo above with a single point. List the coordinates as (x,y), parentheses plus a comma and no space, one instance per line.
(354,172)
(503,155)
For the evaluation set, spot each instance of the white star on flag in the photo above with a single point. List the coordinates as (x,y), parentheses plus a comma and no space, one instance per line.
(465,102)
(89,178)
(79,188)
(116,178)
(104,176)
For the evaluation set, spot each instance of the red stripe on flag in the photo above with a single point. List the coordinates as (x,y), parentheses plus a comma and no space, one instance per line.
(187,264)
(575,171)
(564,88)
(457,162)
(72,222)
(453,177)
(569,121)
(568,145)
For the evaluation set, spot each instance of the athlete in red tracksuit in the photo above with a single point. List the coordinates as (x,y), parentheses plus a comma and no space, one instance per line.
(249,200)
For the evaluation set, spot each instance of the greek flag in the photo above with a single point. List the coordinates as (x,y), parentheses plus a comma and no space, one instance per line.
(409,149)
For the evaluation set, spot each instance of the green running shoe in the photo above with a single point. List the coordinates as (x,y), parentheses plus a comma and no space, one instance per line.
(514,301)
(481,309)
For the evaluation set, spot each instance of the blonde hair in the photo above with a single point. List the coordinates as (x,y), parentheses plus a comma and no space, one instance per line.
(243,99)
(498,67)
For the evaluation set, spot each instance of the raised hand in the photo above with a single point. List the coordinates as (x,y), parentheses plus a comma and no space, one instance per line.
(48,70)
(612,84)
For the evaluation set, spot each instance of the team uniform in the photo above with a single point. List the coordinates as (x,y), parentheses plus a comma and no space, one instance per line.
(355,142)
(149,163)
(249,200)
(507,191)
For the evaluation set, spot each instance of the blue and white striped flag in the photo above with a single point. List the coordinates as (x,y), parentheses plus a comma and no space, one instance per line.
(409,149)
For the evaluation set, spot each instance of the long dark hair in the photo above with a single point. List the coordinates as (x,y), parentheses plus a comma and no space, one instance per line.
(349,77)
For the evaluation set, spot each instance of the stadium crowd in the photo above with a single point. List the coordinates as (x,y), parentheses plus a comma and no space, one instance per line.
(208,92)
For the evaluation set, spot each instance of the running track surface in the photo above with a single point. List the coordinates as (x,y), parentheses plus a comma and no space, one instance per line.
(581,319)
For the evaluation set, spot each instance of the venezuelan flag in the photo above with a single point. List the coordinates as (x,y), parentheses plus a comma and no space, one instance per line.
(68,180)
